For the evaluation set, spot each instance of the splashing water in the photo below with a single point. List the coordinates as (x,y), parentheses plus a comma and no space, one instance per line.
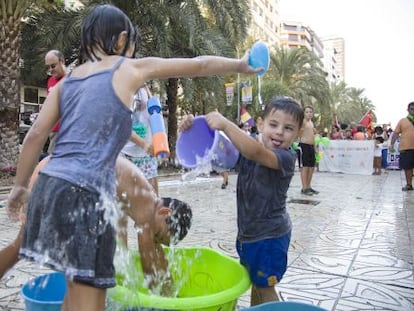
(203,168)
(130,276)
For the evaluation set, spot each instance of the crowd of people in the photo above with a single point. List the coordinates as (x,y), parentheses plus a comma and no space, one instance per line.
(358,132)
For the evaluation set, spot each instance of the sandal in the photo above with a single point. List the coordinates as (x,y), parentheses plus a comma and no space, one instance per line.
(306,192)
(407,188)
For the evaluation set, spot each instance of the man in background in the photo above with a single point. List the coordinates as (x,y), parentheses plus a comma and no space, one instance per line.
(56,69)
(306,152)
(405,129)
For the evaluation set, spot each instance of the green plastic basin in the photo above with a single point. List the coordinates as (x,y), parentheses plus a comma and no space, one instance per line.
(208,280)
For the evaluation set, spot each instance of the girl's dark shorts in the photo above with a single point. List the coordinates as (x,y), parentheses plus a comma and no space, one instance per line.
(67,229)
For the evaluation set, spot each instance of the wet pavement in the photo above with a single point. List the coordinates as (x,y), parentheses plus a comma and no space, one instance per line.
(352,245)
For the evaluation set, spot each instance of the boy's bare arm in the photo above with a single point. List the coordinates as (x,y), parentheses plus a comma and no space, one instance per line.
(140,204)
(247,145)
(153,260)
(142,143)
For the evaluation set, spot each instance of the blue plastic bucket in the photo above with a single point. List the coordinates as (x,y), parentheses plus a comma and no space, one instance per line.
(45,292)
(285,306)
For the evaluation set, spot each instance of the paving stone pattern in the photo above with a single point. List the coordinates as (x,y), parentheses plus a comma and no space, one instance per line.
(353,250)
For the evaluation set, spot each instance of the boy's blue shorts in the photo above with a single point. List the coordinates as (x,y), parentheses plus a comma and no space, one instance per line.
(265,260)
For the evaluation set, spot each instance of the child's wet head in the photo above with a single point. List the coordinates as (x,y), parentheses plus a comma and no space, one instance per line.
(179,221)
(101,31)
(287,105)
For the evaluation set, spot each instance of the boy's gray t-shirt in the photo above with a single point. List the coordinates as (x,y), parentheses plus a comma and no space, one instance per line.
(261,197)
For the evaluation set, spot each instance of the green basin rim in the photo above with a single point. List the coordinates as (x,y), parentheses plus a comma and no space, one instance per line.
(119,294)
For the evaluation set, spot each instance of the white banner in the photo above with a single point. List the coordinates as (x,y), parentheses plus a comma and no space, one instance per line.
(347,156)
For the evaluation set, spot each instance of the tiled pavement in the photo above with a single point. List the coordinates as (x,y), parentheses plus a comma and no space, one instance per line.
(352,245)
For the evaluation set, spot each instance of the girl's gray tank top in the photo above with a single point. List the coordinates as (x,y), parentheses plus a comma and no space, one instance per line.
(95,125)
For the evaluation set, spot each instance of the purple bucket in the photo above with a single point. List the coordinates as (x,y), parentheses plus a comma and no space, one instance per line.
(200,141)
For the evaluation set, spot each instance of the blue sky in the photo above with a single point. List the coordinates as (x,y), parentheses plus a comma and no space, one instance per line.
(379,46)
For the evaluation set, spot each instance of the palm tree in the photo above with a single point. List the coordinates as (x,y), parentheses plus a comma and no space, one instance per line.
(195,30)
(298,73)
(11,14)
(339,94)
(167,29)
(355,106)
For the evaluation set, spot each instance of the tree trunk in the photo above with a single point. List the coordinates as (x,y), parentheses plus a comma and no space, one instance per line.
(172,89)
(9,139)
(9,90)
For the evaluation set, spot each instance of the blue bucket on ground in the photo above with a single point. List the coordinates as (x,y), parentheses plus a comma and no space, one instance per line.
(45,292)
(201,142)
(285,306)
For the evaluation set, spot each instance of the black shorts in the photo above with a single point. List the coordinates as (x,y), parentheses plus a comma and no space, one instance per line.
(406,159)
(306,155)
(67,230)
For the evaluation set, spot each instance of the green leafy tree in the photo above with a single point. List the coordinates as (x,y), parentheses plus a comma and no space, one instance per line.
(354,106)
(12,14)
(298,73)
(339,95)
(166,29)
(10,21)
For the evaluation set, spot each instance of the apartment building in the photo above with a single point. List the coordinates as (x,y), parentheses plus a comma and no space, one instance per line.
(265,21)
(296,35)
(334,58)
(331,50)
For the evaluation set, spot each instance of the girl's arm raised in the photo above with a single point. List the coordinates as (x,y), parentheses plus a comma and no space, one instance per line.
(201,66)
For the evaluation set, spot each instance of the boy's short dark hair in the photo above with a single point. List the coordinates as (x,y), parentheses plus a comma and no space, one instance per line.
(286,104)
(179,222)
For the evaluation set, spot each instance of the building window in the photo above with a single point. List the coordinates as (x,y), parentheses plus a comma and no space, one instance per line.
(292,37)
(290,28)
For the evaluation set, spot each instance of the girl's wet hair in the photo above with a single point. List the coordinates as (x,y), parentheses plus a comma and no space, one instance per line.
(101,28)
(179,222)
(285,104)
